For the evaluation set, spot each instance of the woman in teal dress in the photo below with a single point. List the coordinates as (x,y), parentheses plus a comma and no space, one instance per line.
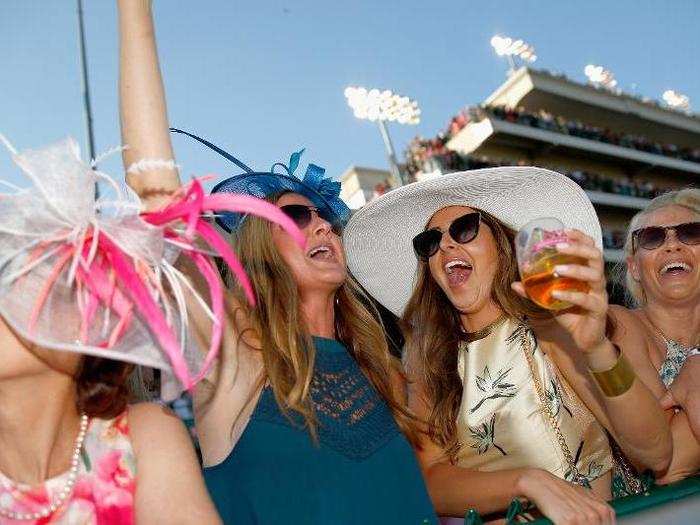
(360,471)
(303,419)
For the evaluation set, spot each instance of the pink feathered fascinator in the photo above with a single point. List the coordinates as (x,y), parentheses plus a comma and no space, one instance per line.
(95,276)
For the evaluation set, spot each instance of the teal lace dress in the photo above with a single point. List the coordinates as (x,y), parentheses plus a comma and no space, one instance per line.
(361,471)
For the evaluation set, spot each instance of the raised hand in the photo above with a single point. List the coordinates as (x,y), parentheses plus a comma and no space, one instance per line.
(585,321)
(144,119)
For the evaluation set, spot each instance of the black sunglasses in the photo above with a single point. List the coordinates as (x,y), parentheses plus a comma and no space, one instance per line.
(652,237)
(463,230)
(302,215)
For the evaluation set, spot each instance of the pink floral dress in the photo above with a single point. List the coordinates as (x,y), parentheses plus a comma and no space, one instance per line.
(104,491)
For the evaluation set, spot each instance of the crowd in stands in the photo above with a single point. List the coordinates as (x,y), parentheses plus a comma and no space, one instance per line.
(545,120)
(617,91)
(431,155)
(624,186)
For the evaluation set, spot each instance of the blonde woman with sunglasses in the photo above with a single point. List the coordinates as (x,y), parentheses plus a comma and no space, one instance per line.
(662,276)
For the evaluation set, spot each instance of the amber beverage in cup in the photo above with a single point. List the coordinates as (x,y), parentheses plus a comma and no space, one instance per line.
(536,249)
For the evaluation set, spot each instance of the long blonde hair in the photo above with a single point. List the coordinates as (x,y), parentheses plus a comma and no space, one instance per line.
(687,198)
(285,342)
(432,326)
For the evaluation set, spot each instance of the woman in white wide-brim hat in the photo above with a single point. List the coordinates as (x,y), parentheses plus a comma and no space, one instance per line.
(505,386)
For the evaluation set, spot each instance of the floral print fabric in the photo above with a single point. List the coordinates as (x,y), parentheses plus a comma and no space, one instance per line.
(676,354)
(104,490)
(500,422)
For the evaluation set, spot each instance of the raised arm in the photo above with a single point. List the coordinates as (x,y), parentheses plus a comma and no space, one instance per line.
(143,112)
(582,351)
(224,399)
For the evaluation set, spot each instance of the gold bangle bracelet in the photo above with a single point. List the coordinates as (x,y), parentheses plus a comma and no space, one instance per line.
(618,379)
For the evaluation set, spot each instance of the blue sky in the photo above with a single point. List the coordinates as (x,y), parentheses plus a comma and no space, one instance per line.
(263,79)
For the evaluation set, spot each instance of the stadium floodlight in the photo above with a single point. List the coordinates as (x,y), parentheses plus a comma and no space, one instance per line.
(510,48)
(384,105)
(676,100)
(599,76)
(381,107)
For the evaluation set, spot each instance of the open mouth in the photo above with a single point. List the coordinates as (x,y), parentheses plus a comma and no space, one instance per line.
(675,268)
(458,271)
(323,252)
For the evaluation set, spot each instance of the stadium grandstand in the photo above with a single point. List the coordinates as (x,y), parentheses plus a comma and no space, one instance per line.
(622,149)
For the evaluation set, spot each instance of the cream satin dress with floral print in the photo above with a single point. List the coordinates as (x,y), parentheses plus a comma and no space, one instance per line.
(500,424)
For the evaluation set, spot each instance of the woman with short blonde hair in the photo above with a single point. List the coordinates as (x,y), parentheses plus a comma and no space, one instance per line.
(662,276)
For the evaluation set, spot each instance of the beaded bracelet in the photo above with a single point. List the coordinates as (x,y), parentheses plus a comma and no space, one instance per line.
(151,164)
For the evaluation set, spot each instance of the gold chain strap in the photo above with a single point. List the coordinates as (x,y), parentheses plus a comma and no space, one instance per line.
(578,478)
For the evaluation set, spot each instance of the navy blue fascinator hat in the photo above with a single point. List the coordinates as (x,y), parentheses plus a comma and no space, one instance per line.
(322,191)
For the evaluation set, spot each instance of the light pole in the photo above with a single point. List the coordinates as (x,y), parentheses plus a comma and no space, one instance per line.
(509,48)
(85,82)
(86,88)
(599,76)
(381,107)
(676,100)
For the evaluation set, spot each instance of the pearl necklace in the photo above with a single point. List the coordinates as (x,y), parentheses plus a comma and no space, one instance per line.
(67,488)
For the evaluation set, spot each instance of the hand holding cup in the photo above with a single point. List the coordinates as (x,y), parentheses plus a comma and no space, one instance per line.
(567,275)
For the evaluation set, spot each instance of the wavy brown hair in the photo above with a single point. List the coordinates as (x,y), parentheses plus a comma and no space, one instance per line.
(432,327)
(284,339)
(103,387)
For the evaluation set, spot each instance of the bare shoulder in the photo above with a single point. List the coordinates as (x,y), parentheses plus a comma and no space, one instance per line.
(145,415)
(625,316)
(630,330)
(619,312)
(168,470)
(153,423)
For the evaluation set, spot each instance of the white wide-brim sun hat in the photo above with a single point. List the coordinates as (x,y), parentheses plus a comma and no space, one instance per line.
(379,237)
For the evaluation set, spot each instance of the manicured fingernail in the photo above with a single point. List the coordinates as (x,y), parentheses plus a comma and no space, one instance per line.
(557,294)
(563,245)
(560,268)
